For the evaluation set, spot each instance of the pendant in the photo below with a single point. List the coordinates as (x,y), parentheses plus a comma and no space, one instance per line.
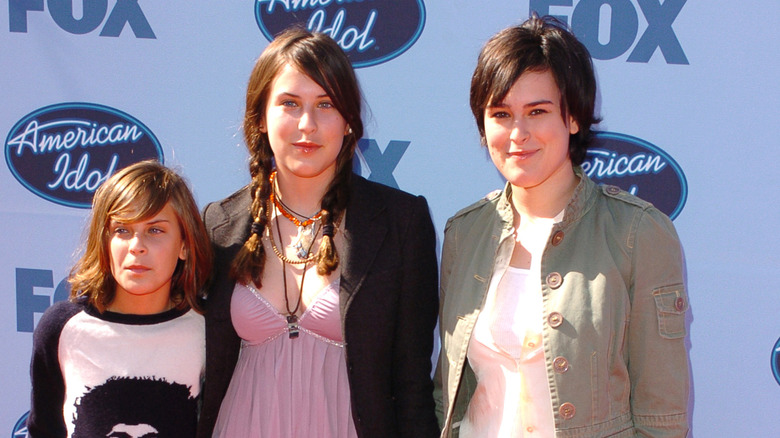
(292,326)
(302,242)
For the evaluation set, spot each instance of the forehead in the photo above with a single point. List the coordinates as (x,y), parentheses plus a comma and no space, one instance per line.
(293,81)
(533,86)
(135,213)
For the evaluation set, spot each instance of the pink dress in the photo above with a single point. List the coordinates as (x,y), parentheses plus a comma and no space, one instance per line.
(284,387)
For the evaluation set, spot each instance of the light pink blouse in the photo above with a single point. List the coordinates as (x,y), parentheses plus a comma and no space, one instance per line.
(512,398)
(284,387)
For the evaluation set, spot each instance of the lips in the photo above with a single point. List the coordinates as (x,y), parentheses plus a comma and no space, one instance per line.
(306,146)
(522,155)
(137,269)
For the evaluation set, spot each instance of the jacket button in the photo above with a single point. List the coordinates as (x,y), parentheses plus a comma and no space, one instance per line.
(679,304)
(554,280)
(567,411)
(560,365)
(555,319)
(557,238)
(613,190)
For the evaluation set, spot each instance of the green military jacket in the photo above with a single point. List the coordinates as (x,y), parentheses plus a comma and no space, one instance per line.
(614,304)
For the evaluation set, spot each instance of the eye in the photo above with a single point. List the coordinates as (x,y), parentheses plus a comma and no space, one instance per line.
(289,103)
(499,114)
(119,230)
(325,104)
(538,111)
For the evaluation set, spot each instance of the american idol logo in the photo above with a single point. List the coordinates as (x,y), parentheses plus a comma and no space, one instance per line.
(639,168)
(370,31)
(776,361)
(63,152)
(20,428)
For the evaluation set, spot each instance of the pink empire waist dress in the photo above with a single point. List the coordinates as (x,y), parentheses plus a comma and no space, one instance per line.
(284,387)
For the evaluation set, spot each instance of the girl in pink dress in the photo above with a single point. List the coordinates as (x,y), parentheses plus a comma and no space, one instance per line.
(320,318)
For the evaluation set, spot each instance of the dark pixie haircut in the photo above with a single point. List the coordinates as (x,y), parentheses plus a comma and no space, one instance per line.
(538,45)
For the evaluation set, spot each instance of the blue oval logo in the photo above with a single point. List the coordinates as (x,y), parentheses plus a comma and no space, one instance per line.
(776,361)
(638,167)
(63,152)
(370,31)
(20,428)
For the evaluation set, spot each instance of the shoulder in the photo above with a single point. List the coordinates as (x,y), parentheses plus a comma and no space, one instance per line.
(615,193)
(227,221)
(55,318)
(375,198)
(472,212)
(221,211)
(645,218)
(362,187)
(618,198)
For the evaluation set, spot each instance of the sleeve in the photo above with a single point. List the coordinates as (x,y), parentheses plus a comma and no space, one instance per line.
(222,342)
(658,357)
(447,253)
(48,384)
(418,308)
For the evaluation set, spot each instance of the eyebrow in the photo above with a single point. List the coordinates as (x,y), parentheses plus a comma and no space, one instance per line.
(527,105)
(288,94)
(119,222)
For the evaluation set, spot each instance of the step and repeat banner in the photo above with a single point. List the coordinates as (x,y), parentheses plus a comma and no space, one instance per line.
(687,91)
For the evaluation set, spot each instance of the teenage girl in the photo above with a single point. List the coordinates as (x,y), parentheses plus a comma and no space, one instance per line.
(125,355)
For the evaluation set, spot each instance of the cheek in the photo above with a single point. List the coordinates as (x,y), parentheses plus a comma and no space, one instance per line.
(114,255)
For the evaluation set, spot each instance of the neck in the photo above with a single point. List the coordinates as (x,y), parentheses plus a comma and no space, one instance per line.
(304,195)
(545,200)
(140,305)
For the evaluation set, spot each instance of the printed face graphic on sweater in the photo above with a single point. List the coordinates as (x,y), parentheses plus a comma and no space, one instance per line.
(135,408)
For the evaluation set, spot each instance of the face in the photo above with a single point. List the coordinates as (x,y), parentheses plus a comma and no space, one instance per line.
(305,130)
(144,255)
(527,138)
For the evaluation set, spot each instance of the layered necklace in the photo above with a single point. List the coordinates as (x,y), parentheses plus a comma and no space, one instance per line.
(306,224)
(308,228)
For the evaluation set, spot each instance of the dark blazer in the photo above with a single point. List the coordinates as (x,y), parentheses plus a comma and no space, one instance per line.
(388,301)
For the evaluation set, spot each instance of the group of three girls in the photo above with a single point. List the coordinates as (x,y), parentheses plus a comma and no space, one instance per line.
(562,303)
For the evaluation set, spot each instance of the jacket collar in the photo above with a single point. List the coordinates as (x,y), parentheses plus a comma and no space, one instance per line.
(581,201)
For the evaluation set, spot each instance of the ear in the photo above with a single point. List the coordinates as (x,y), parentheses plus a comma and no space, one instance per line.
(573,126)
(183,252)
(262,128)
(347,130)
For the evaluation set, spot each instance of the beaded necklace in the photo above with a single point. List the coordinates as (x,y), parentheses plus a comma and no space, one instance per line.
(306,231)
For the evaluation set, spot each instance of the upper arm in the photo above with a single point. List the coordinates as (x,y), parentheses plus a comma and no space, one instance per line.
(48,384)
(658,358)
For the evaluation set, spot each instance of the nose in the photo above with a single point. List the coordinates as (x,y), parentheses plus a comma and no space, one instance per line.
(308,122)
(137,245)
(519,133)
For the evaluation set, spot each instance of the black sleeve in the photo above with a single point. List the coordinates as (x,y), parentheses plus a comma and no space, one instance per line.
(417,312)
(48,385)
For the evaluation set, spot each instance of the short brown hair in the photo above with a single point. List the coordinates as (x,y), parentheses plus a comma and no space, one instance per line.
(135,193)
(538,45)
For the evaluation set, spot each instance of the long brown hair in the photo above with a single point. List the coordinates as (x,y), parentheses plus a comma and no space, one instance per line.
(133,194)
(320,58)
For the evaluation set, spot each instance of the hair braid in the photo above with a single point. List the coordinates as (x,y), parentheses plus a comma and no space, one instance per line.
(334,203)
(250,260)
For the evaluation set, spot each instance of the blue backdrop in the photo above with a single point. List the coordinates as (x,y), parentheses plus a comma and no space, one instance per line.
(687,91)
